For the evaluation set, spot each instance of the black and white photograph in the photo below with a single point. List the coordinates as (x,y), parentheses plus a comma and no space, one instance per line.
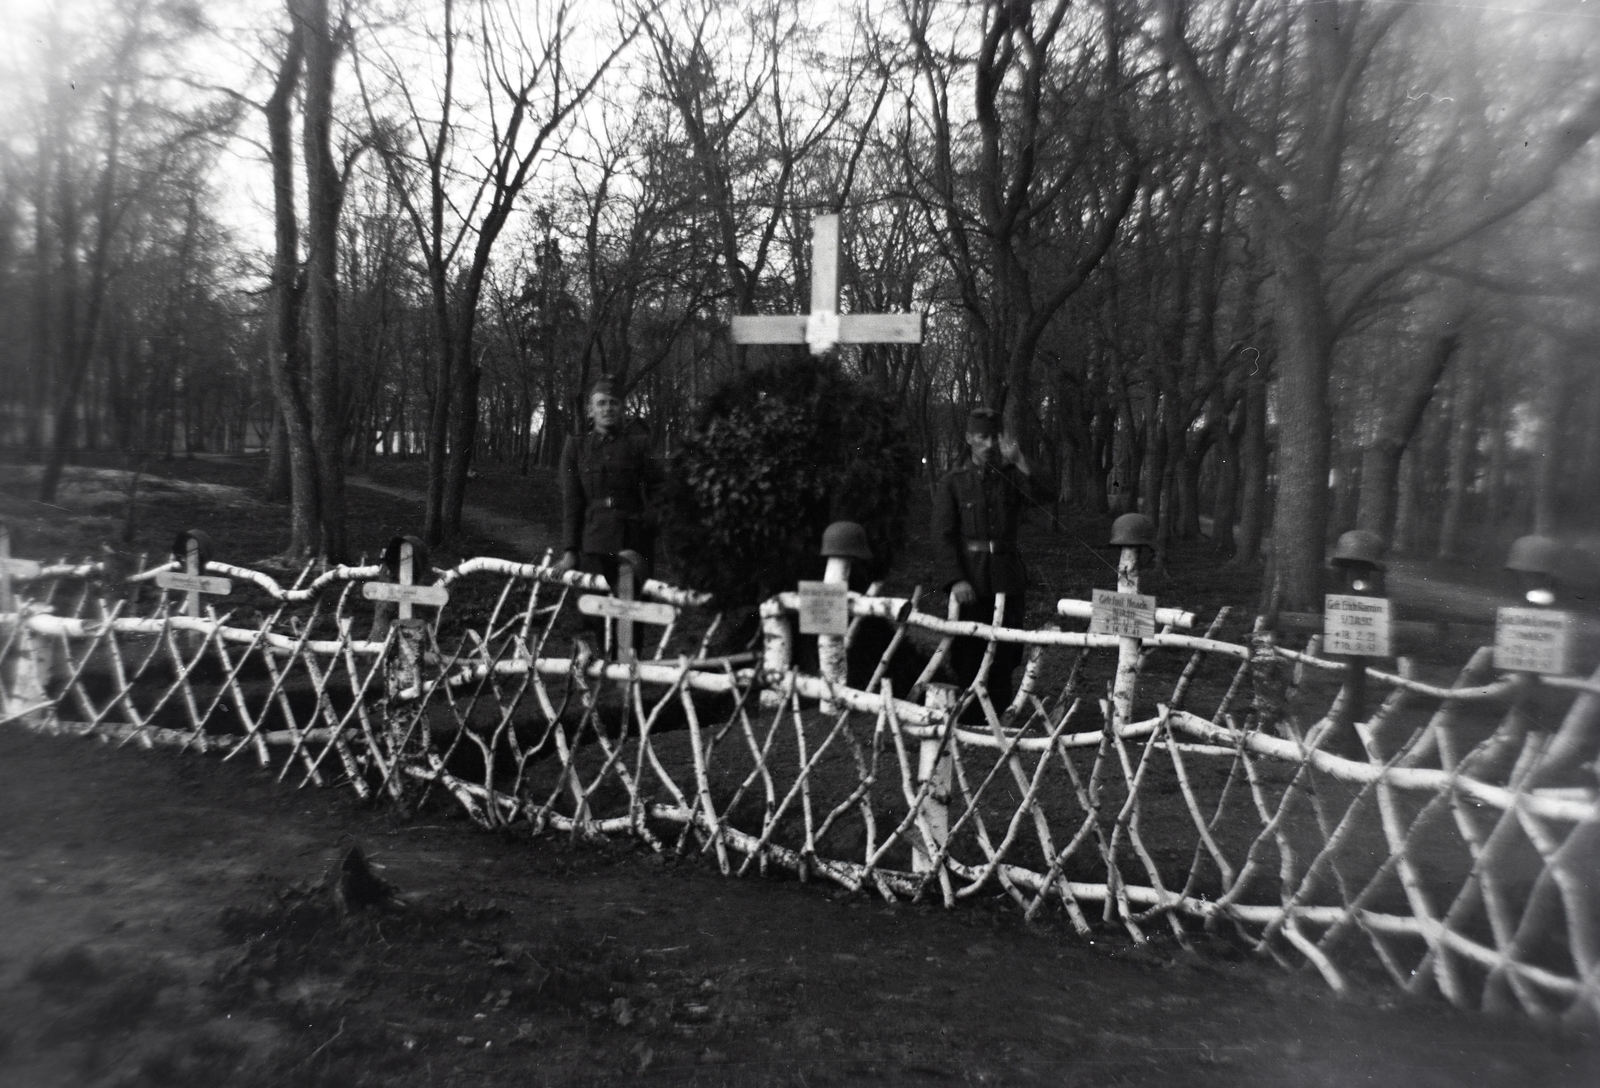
(797,543)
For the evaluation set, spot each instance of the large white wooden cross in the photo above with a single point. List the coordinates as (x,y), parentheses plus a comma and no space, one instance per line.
(824,326)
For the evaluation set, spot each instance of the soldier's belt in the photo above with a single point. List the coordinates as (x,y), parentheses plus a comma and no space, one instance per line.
(993,547)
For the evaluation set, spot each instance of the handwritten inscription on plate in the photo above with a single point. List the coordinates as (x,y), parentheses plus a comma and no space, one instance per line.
(437,596)
(1131,615)
(1355,625)
(824,608)
(618,609)
(1532,640)
(194,583)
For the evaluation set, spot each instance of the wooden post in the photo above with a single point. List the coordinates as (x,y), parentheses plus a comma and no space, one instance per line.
(192,550)
(832,653)
(1355,627)
(777,649)
(407,574)
(191,567)
(8,602)
(625,590)
(1128,648)
(934,766)
(408,636)
(22,694)
(405,557)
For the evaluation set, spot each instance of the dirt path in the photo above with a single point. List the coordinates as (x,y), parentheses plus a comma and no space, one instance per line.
(531,539)
(163,928)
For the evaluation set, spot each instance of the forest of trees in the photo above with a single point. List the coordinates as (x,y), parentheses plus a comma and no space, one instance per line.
(1290,267)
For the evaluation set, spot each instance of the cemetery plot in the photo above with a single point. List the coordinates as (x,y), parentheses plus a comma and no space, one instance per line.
(1191,787)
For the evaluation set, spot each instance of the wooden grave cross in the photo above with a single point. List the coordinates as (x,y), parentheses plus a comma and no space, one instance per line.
(824,327)
(194,546)
(11,568)
(21,694)
(626,611)
(405,592)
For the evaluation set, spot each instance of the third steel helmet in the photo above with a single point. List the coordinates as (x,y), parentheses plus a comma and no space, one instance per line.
(1131,531)
(1359,546)
(1535,554)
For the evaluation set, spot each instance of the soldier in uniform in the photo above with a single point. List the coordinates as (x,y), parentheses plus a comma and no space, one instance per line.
(976,512)
(609,481)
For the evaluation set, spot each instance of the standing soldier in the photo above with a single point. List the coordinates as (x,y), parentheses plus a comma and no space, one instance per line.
(608,481)
(975,516)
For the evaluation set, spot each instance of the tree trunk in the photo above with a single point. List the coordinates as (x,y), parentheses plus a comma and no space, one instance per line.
(283,350)
(1552,452)
(1305,348)
(1225,506)
(82,325)
(1253,455)
(1380,463)
(1347,489)
(322,270)
(464,429)
(1186,482)
(275,483)
(1152,472)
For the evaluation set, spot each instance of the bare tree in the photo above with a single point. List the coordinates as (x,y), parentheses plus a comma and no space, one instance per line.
(1296,147)
(284,355)
(1027,204)
(529,89)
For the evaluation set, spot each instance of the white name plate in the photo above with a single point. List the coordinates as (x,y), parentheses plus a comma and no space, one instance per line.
(1532,640)
(616,608)
(437,596)
(1355,625)
(1130,615)
(20,568)
(824,608)
(194,583)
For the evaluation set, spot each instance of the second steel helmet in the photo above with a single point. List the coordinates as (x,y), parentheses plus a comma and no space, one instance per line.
(180,546)
(1535,554)
(1359,546)
(1133,530)
(846,539)
(419,557)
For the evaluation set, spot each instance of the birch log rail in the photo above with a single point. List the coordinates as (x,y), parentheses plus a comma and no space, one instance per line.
(1454,854)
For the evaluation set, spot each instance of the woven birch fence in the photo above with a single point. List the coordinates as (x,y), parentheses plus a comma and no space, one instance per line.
(1448,839)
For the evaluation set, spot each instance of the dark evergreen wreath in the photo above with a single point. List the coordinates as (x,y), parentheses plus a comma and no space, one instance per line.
(776,455)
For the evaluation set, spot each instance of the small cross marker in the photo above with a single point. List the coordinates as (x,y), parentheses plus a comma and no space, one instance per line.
(9,568)
(404,589)
(193,548)
(824,327)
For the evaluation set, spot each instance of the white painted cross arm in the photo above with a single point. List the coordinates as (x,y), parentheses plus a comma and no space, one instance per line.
(825,326)
(846,329)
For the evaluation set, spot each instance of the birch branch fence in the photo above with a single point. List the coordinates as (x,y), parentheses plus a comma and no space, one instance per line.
(1177,782)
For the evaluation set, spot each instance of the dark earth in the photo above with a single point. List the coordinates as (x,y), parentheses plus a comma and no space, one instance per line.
(173,920)
(167,922)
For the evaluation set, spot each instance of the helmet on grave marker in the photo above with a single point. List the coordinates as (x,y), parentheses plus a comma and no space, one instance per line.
(1133,531)
(847,540)
(202,541)
(419,557)
(1535,554)
(1359,546)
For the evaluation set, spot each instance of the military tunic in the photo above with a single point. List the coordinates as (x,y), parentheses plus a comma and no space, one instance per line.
(608,484)
(976,512)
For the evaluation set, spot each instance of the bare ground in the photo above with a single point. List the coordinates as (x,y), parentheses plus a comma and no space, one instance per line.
(164,925)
